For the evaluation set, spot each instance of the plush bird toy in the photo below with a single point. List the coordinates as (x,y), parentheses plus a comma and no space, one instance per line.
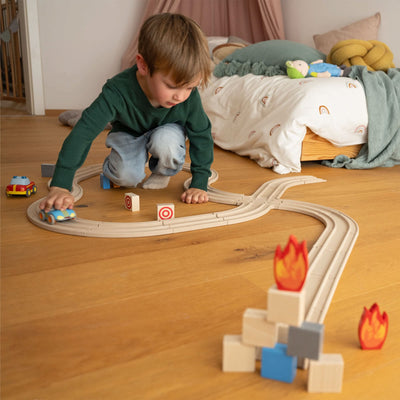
(317,69)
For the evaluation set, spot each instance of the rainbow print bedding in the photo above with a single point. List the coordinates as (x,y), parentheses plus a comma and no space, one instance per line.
(266,118)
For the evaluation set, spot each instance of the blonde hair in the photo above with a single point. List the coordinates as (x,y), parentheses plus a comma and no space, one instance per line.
(175,43)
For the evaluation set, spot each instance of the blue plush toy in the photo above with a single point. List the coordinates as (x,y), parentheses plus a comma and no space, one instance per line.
(317,69)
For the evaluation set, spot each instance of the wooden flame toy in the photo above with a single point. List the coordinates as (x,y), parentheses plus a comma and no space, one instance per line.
(291,265)
(373,328)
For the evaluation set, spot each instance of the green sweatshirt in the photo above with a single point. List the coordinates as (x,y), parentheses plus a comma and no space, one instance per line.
(123,103)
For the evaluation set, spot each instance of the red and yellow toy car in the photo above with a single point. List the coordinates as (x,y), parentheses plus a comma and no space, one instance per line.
(21,185)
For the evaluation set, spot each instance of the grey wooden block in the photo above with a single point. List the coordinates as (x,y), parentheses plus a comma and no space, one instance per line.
(306,340)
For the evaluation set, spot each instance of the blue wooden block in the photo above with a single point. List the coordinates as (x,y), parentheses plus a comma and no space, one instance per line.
(105,183)
(306,340)
(277,365)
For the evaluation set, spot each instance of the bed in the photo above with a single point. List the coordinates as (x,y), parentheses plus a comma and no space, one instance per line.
(257,111)
(261,113)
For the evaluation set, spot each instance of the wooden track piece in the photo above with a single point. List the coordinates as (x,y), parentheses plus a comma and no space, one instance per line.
(327,257)
(248,208)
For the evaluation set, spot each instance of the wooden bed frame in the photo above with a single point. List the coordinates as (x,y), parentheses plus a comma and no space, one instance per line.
(317,148)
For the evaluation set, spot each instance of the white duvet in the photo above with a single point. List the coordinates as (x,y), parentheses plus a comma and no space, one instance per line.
(265,118)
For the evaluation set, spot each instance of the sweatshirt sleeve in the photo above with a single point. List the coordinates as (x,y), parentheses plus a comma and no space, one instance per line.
(201,144)
(77,145)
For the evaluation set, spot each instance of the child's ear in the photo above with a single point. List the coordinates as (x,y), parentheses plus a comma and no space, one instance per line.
(142,65)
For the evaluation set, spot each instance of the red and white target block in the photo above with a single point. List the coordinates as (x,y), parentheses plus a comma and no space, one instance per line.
(165,211)
(132,202)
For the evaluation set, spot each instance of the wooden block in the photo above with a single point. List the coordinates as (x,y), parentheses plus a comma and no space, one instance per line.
(326,374)
(48,170)
(165,211)
(105,183)
(283,333)
(277,365)
(132,202)
(237,356)
(258,353)
(257,330)
(306,341)
(285,306)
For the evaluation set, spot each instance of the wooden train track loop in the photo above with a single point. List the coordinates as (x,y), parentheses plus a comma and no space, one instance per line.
(327,257)
(248,208)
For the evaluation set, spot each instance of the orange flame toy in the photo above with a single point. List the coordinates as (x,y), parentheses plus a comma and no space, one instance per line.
(373,328)
(291,265)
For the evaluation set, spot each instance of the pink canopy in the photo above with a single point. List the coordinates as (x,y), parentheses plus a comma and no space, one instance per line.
(251,20)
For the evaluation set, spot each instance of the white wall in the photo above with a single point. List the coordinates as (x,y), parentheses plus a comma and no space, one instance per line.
(82,42)
(305,18)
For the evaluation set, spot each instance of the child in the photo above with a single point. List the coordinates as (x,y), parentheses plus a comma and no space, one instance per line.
(152,107)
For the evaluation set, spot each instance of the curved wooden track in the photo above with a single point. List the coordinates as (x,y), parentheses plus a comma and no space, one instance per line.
(327,257)
(249,207)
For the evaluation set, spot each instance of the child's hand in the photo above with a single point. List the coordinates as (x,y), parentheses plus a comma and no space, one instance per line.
(194,196)
(57,198)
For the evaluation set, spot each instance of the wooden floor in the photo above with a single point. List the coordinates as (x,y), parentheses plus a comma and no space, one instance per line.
(143,318)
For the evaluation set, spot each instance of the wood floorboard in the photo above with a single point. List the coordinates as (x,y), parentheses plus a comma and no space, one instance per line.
(143,318)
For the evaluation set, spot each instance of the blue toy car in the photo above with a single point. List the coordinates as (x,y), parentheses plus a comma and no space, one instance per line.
(54,215)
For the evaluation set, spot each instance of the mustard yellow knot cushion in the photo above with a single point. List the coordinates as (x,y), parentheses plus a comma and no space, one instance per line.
(373,54)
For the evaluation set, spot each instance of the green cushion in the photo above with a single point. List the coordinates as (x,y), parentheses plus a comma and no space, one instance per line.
(266,58)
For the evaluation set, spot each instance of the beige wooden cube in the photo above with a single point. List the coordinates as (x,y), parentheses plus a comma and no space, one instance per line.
(283,333)
(132,202)
(257,330)
(285,306)
(237,356)
(326,374)
(165,211)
